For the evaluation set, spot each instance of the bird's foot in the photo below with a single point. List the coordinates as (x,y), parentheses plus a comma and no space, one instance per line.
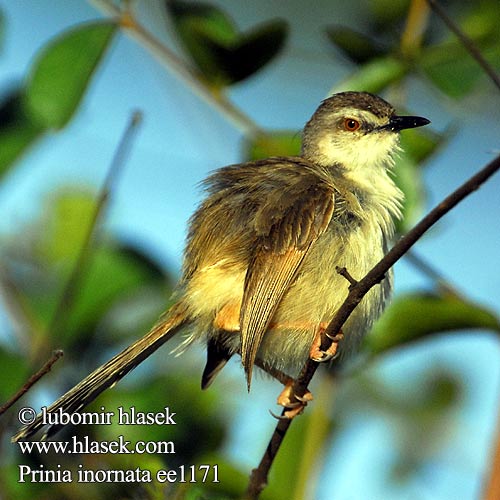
(319,355)
(293,403)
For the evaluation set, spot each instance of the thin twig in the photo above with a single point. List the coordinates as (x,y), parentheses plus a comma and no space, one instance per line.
(63,308)
(466,42)
(345,273)
(32,380)
(259,476)
(179,68)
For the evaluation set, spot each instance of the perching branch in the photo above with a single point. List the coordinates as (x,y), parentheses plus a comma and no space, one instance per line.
(357,290)
(32,381)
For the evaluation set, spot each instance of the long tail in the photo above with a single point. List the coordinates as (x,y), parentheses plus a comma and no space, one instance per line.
(110,373)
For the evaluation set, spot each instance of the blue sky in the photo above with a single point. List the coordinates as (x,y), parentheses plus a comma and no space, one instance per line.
(182,139)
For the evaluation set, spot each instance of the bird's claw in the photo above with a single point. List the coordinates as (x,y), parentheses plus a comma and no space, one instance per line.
(293,403)
(319,355)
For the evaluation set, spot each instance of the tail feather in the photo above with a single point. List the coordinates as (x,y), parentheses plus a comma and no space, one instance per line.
(110,373)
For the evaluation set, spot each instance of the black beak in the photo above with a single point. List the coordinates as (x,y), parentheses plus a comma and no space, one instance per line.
(397,123)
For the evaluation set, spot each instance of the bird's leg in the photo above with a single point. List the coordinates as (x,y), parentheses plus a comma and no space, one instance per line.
(293,403)
(316,353)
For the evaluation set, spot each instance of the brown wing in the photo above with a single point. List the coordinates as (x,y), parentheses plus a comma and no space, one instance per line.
(288,224)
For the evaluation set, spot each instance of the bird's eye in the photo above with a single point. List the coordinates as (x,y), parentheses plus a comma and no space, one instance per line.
(351,125)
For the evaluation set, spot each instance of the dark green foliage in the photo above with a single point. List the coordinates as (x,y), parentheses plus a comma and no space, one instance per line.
(220,52)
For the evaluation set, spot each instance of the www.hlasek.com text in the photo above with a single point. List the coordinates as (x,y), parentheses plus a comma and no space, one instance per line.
(85,446)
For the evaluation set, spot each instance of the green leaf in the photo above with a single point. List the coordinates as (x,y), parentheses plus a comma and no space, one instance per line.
(254,50)
(65,219)
(179,390)
(358,47)
(453,71)
(276,143)
(417,146)
(409,180)
(204,18)
(450,67)
(415,316)
(223,55)
(420,144)
(17,132)
(375,76)
(387,13)
(114,272)
(113,275)
(62,72)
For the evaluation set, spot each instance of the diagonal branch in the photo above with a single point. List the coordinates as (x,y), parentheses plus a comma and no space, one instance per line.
(466,42)
(259,476)
(32,381)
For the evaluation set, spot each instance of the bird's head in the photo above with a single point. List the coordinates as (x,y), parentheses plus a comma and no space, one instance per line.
(357,130)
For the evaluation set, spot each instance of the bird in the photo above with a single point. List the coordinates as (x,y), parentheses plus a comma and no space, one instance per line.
(259,276)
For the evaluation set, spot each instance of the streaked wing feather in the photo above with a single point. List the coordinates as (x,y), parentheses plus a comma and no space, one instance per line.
(282,247)
(262,298)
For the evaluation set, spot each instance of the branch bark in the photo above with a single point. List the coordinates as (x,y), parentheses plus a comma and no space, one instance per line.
(259,476)
(32,380)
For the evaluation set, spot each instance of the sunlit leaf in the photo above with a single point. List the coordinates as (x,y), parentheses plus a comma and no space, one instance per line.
(414,316)
(375,76)
(62,71)
(275,143)
(358,47)
(220,52)
(65,220)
